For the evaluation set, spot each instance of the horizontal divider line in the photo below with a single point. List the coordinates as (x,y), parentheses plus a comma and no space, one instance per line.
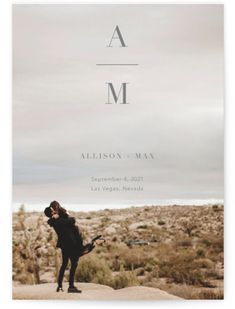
(117,64)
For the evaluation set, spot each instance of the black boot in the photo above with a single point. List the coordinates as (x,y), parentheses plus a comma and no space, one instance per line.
(73,289)
(87,248)
(99,237)
(96,238)
(59,289)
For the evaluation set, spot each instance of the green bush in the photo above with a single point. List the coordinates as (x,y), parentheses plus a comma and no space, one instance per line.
(94,269)
(125,279)
(181,268)
(136,257)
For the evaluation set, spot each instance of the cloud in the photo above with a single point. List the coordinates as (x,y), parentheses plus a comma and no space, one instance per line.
(175,95)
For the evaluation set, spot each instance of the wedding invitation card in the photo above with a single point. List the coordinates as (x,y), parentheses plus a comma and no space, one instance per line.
(118,151)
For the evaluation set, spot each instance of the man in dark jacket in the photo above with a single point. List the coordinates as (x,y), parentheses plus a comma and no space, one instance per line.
(70,242)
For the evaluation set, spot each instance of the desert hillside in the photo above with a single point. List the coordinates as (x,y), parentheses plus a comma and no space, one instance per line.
(178,249)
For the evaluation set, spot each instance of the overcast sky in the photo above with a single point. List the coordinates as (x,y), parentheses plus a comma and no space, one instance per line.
(175,95)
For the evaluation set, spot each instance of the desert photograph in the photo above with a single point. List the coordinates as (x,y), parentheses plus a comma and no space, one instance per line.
(150,252)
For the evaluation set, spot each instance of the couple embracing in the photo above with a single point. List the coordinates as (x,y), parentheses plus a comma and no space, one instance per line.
(69,241)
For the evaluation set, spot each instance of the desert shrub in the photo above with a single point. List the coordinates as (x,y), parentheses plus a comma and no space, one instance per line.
(26,250)
(131,258)
(206,240)
(116,263)
(125,279)
(203,263)
(153,274)
(208,294)
(214,247)
(185,242)
(180,268)
(105,220)
(188,227)
(25,278)
(200,252)
(137,257)
(212,273)
(161,222)
(218,244)
(217,208)
(140,271)
(94,269)
(186,275)
(149,267)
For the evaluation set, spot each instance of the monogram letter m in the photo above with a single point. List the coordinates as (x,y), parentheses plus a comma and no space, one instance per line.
(115,96)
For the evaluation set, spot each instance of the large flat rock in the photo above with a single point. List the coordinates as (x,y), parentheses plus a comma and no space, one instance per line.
(91,291)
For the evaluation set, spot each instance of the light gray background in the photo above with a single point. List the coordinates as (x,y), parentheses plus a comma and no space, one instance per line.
(175,95)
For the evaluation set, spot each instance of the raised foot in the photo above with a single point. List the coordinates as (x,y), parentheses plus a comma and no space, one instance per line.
(99,238)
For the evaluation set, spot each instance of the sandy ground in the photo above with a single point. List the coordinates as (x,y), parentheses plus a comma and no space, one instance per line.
(91,291)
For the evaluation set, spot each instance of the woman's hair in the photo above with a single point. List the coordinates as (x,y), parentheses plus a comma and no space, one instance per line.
(60,210)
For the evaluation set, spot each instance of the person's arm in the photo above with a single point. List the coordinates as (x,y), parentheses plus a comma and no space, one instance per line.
(62,211)
(69,221)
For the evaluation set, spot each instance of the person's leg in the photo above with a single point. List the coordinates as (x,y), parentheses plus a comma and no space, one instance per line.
(87,248)
(90,246)
(65,259)
(74,263)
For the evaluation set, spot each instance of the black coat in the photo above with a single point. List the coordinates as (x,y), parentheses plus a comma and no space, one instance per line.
(69,237)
